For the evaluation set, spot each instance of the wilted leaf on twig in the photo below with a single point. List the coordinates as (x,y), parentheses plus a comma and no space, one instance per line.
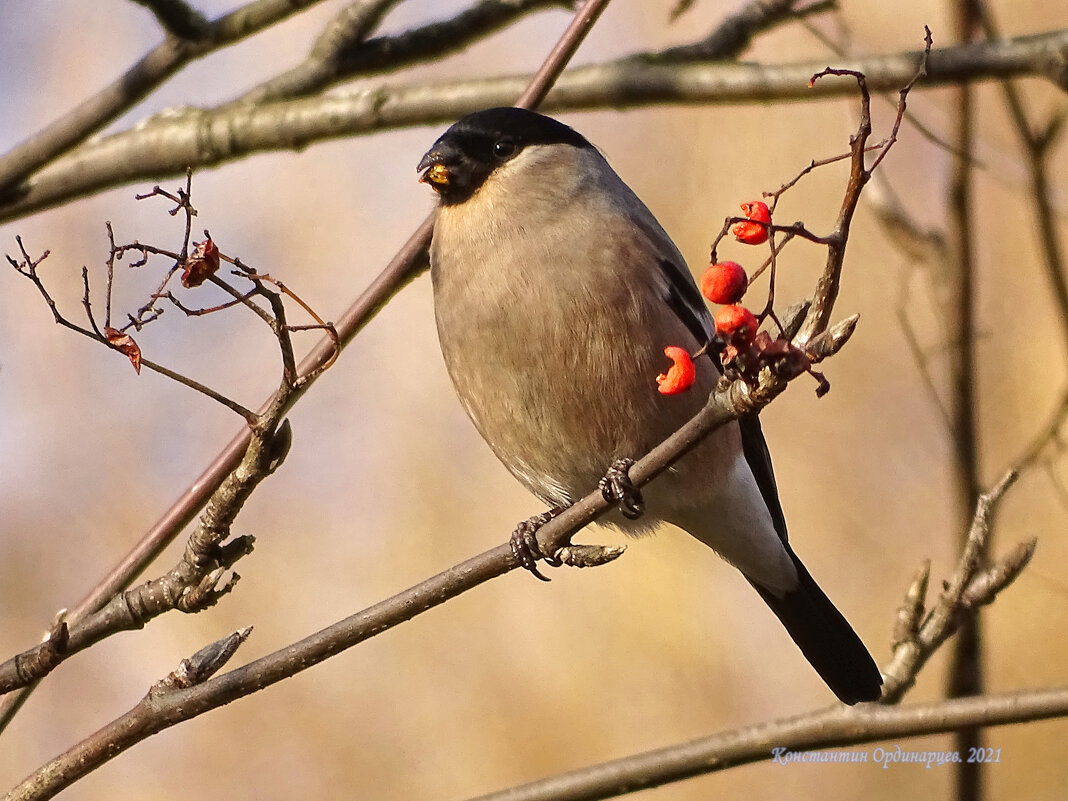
(203,262)
(124,343)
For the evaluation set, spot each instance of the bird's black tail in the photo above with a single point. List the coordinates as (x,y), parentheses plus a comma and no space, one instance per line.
(826,639)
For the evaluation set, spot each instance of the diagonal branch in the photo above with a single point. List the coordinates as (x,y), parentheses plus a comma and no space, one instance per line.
(157,712)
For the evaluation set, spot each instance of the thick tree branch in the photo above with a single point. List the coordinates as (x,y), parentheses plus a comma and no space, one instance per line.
(340,52)
(142,78)
(203,138)
(783,741)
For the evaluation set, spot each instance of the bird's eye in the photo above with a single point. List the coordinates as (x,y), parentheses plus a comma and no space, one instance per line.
(505,148)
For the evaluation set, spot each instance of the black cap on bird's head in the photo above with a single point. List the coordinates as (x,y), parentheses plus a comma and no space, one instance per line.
(466,154)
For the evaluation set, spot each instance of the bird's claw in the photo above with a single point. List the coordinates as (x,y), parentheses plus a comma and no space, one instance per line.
(617,488)
(525,547)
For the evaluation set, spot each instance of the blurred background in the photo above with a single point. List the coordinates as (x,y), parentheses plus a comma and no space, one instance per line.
(388,483)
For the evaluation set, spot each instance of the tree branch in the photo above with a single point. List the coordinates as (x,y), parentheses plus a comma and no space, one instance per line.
(959,285)
(135,84)
(919,632)
(781,741)
(203,138)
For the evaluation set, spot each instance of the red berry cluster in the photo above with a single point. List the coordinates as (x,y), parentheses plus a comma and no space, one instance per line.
(724,283)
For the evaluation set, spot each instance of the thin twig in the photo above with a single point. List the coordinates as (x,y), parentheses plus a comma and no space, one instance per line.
(342,52)
(960,598)
(28,268)
(818,315)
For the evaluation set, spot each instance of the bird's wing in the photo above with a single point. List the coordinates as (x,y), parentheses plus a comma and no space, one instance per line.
(685,300)
(757,456)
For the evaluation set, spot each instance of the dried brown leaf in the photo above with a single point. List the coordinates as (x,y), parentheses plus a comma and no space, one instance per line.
(202,263)
(124,343)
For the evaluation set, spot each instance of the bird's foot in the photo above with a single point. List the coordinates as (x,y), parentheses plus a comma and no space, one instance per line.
(525,547)
(616,487)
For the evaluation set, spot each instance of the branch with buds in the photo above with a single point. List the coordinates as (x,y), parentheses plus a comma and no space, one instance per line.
(205,572)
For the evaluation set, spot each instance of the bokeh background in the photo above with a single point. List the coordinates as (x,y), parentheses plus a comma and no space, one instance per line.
(388,483)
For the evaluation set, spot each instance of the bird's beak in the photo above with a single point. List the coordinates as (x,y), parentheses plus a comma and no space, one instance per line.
(434,171)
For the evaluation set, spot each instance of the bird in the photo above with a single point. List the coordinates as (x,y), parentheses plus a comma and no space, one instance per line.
(555,294)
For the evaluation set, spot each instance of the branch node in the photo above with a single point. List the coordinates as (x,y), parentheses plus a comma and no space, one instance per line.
(829,342)
(907,624)
(201,665)
(984,586)
(589,555)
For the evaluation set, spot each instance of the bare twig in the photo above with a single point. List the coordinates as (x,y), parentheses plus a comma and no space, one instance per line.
(27,267)
(973,584)
(842,48)
(1045,437)
(342,52)
(860,173)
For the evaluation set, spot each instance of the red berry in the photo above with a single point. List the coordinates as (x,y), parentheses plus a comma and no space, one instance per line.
(736,323)
(724,282)
(757,210)
(680,376)
(753,233)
